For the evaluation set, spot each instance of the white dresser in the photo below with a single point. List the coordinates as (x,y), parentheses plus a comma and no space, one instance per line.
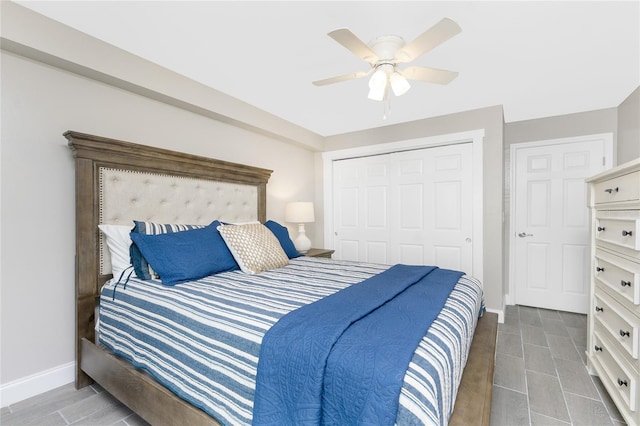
(614,317)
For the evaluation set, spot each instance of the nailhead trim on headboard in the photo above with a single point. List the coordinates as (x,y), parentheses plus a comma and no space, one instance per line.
(127,195)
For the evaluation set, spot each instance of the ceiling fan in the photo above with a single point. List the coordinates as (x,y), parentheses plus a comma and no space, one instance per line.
(385,53)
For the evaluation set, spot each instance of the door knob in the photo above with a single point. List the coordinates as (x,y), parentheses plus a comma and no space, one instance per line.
(524,234)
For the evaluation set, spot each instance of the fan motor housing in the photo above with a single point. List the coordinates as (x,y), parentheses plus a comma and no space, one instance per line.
(386,46)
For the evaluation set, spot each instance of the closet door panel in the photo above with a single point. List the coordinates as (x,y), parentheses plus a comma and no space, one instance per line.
(411,207)
(361,192)
(440,213)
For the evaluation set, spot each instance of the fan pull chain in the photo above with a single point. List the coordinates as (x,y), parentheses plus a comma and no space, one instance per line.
(386,108)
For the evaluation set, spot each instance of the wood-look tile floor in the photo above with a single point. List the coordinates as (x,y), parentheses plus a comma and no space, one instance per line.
(540,379)
(540,374)
(90,406)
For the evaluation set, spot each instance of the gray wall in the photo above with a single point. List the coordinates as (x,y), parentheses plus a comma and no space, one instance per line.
(39,103)
(562,126)
(629,128)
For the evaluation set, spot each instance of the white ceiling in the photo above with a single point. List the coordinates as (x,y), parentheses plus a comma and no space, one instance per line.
(537,59)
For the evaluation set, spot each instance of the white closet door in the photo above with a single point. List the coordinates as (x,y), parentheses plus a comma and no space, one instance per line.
(361,196)
(412,207)
(431,207)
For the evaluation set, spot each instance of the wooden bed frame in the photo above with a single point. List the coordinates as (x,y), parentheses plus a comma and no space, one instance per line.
(141,393)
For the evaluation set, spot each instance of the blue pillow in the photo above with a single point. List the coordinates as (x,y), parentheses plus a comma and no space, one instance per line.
(187,255)
(139,263)
(282,234)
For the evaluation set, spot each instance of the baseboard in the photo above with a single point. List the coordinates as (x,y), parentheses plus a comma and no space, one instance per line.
(500,313)
(26,387)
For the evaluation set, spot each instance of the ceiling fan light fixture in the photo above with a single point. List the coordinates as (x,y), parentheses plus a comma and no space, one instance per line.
(378,79)
(384,54)
(399,84)
(377,93)
(378,85)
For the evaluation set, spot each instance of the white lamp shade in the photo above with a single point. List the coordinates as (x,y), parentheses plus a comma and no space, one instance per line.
(378,85)
(399,84)
(377,93)
(299,212)
(378,79)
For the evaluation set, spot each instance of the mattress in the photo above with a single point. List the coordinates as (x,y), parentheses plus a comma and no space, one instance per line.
(201,339)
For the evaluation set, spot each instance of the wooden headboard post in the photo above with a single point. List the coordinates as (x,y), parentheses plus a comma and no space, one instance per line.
(93,153)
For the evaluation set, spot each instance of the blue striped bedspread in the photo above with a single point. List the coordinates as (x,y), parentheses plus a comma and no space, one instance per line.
(202,339)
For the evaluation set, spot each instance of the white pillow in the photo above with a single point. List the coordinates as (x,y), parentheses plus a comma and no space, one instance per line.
(254,247)
(118,242)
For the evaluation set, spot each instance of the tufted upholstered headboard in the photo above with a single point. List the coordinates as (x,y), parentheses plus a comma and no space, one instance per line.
(117,182)
(126,195)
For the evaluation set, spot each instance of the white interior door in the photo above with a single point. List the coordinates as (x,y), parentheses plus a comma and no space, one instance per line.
(431,201)
(411,207)
(551,222)
(361,220)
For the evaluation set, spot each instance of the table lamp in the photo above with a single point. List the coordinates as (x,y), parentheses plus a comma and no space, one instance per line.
(300,212)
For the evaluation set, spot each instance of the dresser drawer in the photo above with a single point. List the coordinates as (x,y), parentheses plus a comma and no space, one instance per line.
(620,379)
(619,231)
(620,324)
(621,188)
(620,276)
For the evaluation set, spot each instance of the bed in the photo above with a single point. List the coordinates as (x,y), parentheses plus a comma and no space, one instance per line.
(163,186)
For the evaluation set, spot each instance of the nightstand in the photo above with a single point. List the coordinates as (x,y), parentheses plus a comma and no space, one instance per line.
(315,252)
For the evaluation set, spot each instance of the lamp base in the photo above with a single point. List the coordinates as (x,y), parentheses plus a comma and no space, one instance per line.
(302,242)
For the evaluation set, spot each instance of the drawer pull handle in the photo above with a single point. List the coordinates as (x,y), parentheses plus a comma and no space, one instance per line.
(627,233)
(599,309)
(624,333)
(622,382)
(601,228)
(611,190)
(599,269)
(624,283)
(598,348)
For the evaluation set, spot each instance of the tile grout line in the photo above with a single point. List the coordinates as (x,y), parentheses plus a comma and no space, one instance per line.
(524,365)
(509,389)
(557,376)
(564,393)
(564,396)
(63,417)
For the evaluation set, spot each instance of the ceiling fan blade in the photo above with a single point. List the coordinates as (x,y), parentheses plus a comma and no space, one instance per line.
(356,46)
(430,75)
(433,37)
(345,77)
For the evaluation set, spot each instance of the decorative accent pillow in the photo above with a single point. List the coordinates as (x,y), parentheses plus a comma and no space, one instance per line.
(118,243)
(140,264)
(186,255)
(240,223)
(282,234)
(254,247)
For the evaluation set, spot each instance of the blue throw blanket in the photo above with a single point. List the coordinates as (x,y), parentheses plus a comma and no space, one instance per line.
(342,359)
